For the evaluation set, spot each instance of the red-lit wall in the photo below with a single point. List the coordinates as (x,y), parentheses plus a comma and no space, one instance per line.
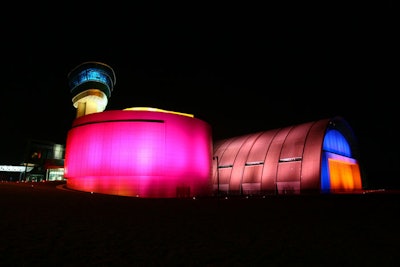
(139,153)
(285,161)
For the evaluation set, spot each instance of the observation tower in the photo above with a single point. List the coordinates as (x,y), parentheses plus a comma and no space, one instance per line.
(139,151)
(91,85)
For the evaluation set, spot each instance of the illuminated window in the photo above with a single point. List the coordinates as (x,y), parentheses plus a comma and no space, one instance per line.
(290,159)
(336,143)
(91,75)
(254,163)
(225,166)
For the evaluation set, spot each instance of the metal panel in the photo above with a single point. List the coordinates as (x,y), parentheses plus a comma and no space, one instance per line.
(223,188)
(231,151)
(226,162)
(294,143)
(311,169)
(286,188)
(224,175)
(258,153)
(289,171)
(240,161)
(219,149)
(270,170)
(292,153)
(252,174)
(251,188)
(260,148)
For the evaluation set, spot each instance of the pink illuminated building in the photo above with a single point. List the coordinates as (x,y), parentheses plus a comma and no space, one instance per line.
(154,153)
(146,153)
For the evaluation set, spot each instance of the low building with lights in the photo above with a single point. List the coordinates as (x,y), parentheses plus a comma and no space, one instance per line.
(42,161)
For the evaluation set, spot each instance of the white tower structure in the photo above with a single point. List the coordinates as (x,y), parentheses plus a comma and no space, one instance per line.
(91,85)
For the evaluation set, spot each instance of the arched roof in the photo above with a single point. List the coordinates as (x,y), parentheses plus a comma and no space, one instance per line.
(290,159)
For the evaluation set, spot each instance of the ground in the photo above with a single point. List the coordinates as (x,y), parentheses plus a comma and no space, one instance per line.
(42,224)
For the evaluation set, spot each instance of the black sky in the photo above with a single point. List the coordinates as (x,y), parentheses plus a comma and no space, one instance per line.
(240,67)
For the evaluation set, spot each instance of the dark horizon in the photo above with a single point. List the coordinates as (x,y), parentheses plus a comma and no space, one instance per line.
(44,225)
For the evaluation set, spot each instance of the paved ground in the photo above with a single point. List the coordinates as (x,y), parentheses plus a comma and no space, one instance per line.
(42,225)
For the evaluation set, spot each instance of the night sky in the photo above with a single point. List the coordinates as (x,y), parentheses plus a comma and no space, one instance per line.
(240,67)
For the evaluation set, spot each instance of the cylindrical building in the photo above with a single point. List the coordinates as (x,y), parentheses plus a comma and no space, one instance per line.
(143,152)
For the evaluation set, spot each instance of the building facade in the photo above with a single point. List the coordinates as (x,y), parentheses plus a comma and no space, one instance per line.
(314,157)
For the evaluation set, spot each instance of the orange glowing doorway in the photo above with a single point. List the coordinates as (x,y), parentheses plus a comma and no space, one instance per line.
(344,176)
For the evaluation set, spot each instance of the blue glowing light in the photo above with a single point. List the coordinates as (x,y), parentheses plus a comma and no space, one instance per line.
(92,75)
(336,143)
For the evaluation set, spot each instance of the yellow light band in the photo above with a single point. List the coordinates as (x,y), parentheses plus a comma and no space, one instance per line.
(159,110)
